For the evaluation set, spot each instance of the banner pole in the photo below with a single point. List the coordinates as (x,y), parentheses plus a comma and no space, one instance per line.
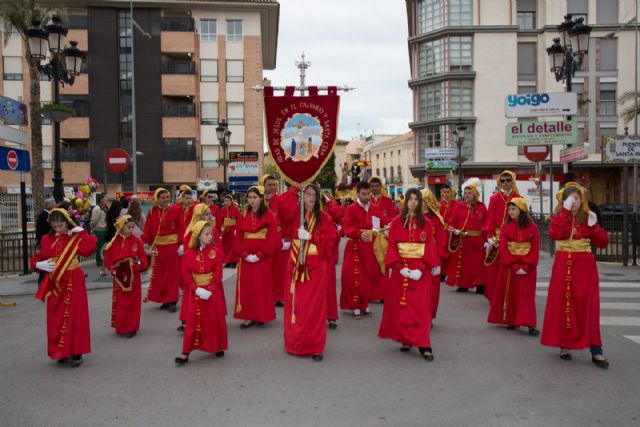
(301,254)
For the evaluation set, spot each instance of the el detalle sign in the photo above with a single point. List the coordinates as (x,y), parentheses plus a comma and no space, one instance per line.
(541,133)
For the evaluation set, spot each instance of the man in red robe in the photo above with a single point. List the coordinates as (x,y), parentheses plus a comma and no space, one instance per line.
(447,203)
(496,217)
(388,212)
(226,221)
(280,257)
(360,268)
(163,232)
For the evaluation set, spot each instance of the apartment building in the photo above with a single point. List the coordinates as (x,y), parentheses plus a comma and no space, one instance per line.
(195,64)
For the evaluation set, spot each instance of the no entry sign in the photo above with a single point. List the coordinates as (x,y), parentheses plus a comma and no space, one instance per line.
(118,160)
(12,159)
(536,153)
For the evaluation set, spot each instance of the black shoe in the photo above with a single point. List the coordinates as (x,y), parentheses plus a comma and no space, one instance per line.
(62,361)
(247,325)
(76,360)
(534,332)
(220,354)
(405,348)
(181,360)
(461,290)
(480,290)
(332,324)
(604,363)
(279,304)
(180,328)
(510,328)
(127,335)
(317,357)
(164,306)
(427,353)
(565,356)
(172,307)
(260,323)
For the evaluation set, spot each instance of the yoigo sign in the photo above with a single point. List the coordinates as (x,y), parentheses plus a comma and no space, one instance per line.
(541,104)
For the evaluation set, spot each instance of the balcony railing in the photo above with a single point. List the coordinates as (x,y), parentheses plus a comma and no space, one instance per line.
(178,110)
(178,24)
(178,67)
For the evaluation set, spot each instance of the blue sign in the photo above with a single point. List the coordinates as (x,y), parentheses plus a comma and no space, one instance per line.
(12,111)
(240,187)
(253,179)
(12,159)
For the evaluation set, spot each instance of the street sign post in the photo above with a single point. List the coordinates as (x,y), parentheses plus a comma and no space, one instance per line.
(573,154)
(440,153)
(620,149)
(541,133)
(541,104)
(118,160)
(536,153)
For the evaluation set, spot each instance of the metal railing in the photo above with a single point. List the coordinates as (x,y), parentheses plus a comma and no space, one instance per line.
(178,110)
(178,67)
(177,23)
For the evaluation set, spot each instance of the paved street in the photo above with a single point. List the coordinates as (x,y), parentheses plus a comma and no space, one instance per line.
(482,376)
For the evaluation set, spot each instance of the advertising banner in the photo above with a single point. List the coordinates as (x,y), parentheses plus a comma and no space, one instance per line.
(541,133)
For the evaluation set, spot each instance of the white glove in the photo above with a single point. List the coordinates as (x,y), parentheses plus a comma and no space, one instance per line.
(486,245)
(569,202)
(456,232)
(76,229)
(415,274)
(339,227)
(203,293)
(405,272)
(491,242)
(48,265)
(285,245)
(521,272)
(303,234)
(181,250)
(592,220)
(251,258)
(435,271)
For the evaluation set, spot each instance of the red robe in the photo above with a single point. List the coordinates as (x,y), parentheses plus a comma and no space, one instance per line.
(228,232)
(386,207)
(360,268)
(188,214)
(68,330)
(496,216)
(514,296)
(446,209)
(305,304)
(407,312)
(165,228)
(441,241)
(126,300)
(254,293)
(335,212)
(205,324)
(573,322)
(466,266)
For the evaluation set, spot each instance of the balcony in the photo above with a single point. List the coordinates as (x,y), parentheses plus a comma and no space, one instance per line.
(179,171)
(179,127)
(75,151)
(75,128)
(178,110)
(178,67)
(176,41)
(178,84)
(178,23)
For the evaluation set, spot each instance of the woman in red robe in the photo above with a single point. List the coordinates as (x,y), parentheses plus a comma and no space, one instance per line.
(125,258)
(572,315)
(257,238)
(305,303)
(226,221)
(466,263)
(412,257)
(64,287)
(513,300)
(432,212)
(206,326)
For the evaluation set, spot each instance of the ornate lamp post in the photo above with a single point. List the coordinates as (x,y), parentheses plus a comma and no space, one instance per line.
(224,137)
(63,67)
(459,134)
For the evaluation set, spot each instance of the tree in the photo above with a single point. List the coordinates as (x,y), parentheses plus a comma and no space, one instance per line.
(629,112)
(18,16)
(327,177)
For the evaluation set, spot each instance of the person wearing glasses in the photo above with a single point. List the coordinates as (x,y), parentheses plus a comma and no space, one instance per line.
(210,199)
(497,216)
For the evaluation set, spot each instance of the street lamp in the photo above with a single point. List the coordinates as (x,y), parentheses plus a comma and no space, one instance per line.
(459,134)
(224,137)
(64,66)
(566,57)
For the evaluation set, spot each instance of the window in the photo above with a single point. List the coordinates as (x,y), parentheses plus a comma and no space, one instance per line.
(209,113)
(391,154)
(608,102)
(234,30)
(579,9)
(384,155)
(430,102)
(399,175)
(74,150)
(179,150)
(527,62)
(235,71)
(398,153)
(378,156)
(608,54)
(235,113)
(79,104)
(384,173)
(607,11)
(461,96)
(460,12)
(210,156)
(578,88)
(460,53)
(12,68)
(209,70)
(377,171)
(527,14)
(208,30)
(441,136)
(391,173)
(432,57)
(454,97)
(430,15)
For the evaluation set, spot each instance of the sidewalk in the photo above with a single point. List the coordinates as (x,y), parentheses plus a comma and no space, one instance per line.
(609,271)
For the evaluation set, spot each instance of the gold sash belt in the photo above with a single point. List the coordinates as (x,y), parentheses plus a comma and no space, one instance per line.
(202,279)
(262,234)
(229,221)
(167,239)
(73,263)
(472,233)
(411,250)
(519,248)
(573,245)
(313,249)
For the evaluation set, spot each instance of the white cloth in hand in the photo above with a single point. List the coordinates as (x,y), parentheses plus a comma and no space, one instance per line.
(456,232)
(405,272)
(339,227)
(203,293)
(569,202)
(521,272)
(285,245)
(487,245)
(48,265)
(435,271)
(252,258)
(415,274)
(375,222)
(592,219)
(181,250)
(303,234)
(76,229)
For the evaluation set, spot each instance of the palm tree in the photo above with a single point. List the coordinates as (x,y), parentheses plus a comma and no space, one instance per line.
(629,112)
(18,16)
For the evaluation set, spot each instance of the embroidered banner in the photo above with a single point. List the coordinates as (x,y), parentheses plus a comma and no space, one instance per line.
(301,131)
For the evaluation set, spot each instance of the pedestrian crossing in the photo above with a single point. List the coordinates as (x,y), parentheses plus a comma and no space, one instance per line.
(619,306)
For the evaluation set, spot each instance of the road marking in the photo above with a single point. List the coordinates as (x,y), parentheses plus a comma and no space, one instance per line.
(634,338)
(631,285)
(619,321)
(620,305)
(228,273)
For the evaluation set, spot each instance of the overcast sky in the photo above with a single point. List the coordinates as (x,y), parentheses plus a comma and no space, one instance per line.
(359,43)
